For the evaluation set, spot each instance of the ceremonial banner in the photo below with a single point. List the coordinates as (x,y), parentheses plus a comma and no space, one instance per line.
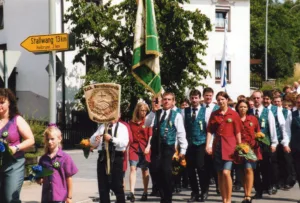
(145,63)
(103,102)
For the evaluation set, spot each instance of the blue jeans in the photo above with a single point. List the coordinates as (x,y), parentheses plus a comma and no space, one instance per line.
(11,181)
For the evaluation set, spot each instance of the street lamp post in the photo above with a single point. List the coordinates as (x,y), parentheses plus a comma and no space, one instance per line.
(266,47)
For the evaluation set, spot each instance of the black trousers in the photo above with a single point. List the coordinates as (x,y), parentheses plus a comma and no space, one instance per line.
(162,171)
(196,159)
(112,182)
(296,158)
(263,173)
(282,166)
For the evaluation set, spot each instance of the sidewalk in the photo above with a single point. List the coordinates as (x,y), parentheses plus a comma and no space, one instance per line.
(84,191)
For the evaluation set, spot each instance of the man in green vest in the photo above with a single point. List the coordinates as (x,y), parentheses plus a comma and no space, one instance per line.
(195,125)
(168,130)
(293,121)
(268,127)
(284,157)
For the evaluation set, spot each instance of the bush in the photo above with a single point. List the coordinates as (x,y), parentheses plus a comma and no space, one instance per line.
(38,128)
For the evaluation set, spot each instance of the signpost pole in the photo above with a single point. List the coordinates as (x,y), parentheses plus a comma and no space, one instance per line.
(52,65)
(5,72)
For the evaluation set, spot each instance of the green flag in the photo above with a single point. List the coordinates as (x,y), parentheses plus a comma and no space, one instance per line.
(145,61)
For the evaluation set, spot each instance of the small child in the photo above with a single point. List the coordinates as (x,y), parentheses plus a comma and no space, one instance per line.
(57,188)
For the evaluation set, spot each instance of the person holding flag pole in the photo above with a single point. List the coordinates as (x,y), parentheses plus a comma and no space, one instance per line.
(167,124)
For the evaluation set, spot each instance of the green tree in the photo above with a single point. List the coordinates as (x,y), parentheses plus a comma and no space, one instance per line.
(283,37)
(107,32)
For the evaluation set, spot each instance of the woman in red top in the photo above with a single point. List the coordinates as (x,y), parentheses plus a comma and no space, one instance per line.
(139,149)
(250,126)
(225,124)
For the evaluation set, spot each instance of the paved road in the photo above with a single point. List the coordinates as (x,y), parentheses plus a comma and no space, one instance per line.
(85,187)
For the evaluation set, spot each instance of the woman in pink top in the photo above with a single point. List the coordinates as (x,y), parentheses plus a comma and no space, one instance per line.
(15,131)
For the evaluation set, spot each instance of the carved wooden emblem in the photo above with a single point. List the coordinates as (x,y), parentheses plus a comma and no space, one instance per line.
(103,101)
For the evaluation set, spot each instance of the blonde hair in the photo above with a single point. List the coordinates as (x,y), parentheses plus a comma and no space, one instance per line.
(135,116)
(50,131)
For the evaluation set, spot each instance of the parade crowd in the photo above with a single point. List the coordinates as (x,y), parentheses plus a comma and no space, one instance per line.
(201,136)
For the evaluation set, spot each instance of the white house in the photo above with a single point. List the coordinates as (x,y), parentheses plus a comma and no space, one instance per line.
(31,17)
(238,43)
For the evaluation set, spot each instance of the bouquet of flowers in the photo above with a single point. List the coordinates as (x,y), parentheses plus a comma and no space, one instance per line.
(86,147)
(177,163)
(38,171)
(260,137)
(5,153)
(244,150)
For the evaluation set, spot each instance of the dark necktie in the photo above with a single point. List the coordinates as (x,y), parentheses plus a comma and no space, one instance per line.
(194,113)
(256,113)
(163,117)
(207,105)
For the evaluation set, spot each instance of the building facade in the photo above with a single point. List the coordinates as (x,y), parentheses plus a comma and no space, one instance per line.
(21,19)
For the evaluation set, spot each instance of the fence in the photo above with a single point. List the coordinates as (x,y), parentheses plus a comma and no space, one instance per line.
(256,82)
(72,137)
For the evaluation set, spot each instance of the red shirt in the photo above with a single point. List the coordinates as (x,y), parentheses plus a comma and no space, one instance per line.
(225,127)
(249,127)
(140,138)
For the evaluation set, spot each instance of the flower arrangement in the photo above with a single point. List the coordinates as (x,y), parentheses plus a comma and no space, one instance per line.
(5,152)
(201,125)
(56,164)
(177,163)
(260,137)
(244,150)
(38,171)
(5,134)
(263,123)
(85,145)
(229,120)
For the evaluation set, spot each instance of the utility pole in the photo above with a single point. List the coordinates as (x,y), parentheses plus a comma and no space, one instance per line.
(52,65)
(266,46)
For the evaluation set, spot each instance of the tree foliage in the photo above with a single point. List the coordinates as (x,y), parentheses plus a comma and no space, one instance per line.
(283,37)
(107,32)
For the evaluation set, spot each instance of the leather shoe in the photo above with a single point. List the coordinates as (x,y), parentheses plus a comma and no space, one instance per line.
(257,195)
(270,191)
(218,191)
(144,197)
(236,188)
(131,197)
(194,198)
(203,196)
(274,190)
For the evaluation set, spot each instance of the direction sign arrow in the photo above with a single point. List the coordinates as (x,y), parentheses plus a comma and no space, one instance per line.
(51,42)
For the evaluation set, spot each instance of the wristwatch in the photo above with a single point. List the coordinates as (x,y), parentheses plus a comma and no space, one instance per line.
(17,148)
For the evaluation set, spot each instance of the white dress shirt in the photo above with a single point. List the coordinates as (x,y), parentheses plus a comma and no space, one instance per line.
(208,111)
(284,128)
(180,130)
(149,119)
(288,123)
(120,141)
(272,125)
(196,112)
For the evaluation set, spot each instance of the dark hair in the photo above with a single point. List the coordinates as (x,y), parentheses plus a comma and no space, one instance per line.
(195,92)
(208,89)
(241,97)
(222,94)
(268,93)
(6,93)
(185,100)
(242,101)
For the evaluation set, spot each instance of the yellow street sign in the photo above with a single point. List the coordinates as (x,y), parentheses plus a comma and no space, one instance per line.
(46,43)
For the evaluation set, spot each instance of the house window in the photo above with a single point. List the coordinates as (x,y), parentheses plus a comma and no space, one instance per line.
(97,2)
(218,72)
(1,17)
(221,14)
